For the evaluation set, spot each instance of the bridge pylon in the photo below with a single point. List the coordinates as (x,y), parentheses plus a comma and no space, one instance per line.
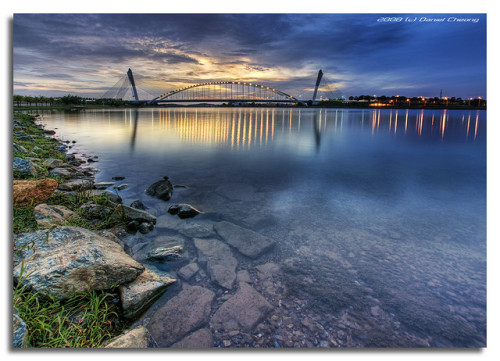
(318,81)
(132,84)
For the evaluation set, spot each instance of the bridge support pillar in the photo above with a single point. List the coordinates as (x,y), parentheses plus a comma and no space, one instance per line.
(132,83)
(318,80)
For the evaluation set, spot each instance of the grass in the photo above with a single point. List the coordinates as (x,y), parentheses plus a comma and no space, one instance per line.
(84,320)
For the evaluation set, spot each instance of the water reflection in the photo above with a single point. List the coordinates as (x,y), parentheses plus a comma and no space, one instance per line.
(245,128)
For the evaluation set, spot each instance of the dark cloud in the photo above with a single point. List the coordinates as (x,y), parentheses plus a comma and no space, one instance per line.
(355,50)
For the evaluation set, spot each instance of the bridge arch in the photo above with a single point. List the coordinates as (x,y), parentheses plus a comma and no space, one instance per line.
(226,91)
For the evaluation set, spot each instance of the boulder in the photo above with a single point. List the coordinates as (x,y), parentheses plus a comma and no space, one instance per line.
(65,260)
(246,241)
(47,216)
(199,339)
(221,264)
(23,167)
(161,189)
(243,311)
(27,193)
(182,314)
(92,210)
(76,184)
(137,338)
(183,210)
(165,253)
(132,214)
(145,227)
(137,295)
(19,331)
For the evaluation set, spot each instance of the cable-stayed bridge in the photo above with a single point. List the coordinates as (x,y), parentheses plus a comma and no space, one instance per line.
(135,87)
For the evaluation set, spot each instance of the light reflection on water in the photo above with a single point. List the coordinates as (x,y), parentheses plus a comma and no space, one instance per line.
(392,201)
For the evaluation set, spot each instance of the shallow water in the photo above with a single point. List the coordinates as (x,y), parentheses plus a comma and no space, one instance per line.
(379,216)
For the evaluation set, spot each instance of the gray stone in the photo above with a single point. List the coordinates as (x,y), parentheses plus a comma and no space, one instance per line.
(23,167)
(161,189)
(103,185)
(166,253)
(221,264)
(146,227)
(65,260)
(47,216)
(243,276)
(182,314)
(19,148)
(242,311)
(129,213)
(92,210)
(19,331)
(137,338)
(52,163)
(63,172)
(137,295)
(188,271)
(137,204)
(122,186)
(246,241)
(199,339)
(183,210)
(76,184)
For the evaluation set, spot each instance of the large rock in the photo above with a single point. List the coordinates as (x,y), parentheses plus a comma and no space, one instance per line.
(246,241)
(68,259)
(28,193)
(182,314)
(47,216)
(199,339)
(196,229)
(137,338)
(242,311)
(137,295)
(161,189)
(132,214)
(23,167)
(221,264)
(19,331)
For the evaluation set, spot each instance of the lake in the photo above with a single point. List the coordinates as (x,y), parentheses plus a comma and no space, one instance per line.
(378,219)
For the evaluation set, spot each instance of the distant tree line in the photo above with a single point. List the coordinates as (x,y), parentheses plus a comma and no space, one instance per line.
(68,100)
(399,100)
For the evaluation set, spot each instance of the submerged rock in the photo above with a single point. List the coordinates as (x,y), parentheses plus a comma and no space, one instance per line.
(137,338)
(221,264)
(27,193)
(188,271)
(199,339)
(246,241)
(161,189)
(166,253)
(243,311)
(182,314)
(65,260)
(183,210)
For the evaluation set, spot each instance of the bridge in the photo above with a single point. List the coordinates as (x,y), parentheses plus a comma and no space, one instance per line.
(235,92)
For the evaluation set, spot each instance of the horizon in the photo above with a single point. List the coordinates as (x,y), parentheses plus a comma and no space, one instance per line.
(86,54)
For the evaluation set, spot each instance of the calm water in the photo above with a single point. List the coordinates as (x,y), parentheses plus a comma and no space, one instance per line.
(379,215)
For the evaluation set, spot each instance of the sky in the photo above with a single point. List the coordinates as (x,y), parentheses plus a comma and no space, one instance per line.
(415,55)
